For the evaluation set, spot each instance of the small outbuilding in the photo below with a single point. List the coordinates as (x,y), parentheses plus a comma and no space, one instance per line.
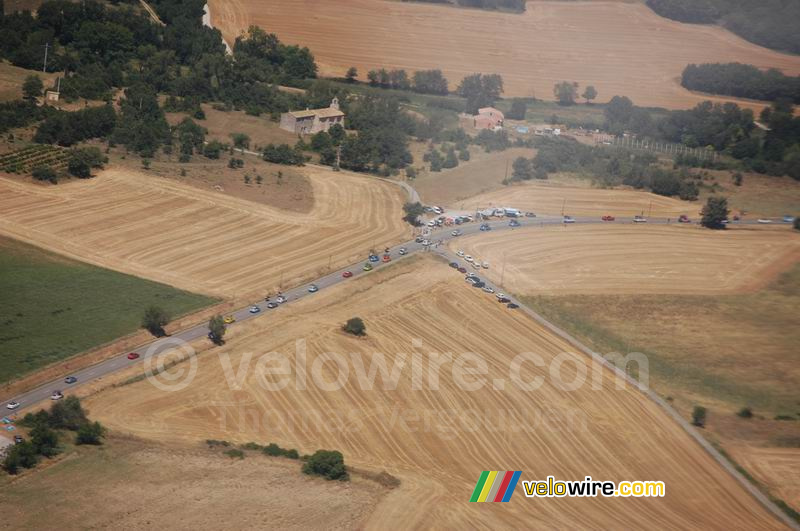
(488,118)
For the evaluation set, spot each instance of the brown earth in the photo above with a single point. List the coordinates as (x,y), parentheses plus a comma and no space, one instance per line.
(436,440)
(620,48)
(131,484)
(12,78)
(204,241)
(631,259)
(556,197)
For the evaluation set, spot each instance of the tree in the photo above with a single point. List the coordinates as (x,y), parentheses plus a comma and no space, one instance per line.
(45,173)
(216,330)
(699,416)
(90,433)
(480,91)
(44,440)
(518,109)
(796,223)
(67,414)
(328,464)
(20,455)
(241,141)
(715,212)
(32,88)
(566,92)
(373,77)
(154,320)
(355,326)
(79,168)
(413,212)
(523,169)
(337,134)
(589,94)
(450,160)
(351,75)
(213,149)
(429,82)
(738,178)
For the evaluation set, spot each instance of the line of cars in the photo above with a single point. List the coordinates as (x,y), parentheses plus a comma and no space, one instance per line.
(476,282)
(57,394)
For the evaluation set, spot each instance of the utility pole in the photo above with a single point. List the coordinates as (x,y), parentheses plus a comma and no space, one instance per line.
(650,212)
(44,66)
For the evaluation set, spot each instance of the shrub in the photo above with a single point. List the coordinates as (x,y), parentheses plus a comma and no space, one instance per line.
(328,464)
(68,414)
(90,433)
(276,451)
(234,453)
(745,413)
(699,416)
(22,455)
(45,173)
(355,326)
(154,320)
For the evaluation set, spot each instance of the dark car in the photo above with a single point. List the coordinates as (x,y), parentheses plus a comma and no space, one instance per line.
(530,215)
(19,439)
(70,380)
(504,300)
(479,284)
(512,305)
(513,223)
(485,227)
(418,239)
(454,265)
(374,258)
(462,270)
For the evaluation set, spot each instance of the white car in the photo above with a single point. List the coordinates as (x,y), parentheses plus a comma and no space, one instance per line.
(12,405)
(468,258)
(280,299)
(500,295)
(476,265)
(431,223)
(460,253)
(57,395)
(456,232)
(254,309)
(471,280)
(438,210)
(487,289)
(639,219)
(402,251)
(485,265)
(426,242)
(569,219)
(764,220)
(313,288)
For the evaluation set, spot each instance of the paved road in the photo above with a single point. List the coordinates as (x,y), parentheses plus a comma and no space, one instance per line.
(439,235)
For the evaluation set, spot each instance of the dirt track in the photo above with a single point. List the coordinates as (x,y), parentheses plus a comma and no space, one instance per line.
(553,198)
(204,241)
(633,259)
(621,48)
(438,441)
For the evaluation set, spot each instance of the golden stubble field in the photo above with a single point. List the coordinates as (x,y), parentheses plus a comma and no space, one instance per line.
(204,241)
(630,258)
(554,198)
(621,48)
(437,439)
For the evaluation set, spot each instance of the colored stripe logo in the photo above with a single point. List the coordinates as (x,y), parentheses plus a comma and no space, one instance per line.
(494,486)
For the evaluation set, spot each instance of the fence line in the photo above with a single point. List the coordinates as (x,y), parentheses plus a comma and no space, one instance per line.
(667,148)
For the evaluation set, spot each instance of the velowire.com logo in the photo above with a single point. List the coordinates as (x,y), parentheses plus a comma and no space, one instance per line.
(494,486)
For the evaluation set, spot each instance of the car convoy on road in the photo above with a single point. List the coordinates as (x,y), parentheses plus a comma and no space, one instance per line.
(441,220)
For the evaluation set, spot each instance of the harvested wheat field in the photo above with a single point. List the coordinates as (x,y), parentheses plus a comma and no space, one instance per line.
(621,48)
(554,198)
(633,259)
(204,241)
(777,468)
(436,439)
(179,487)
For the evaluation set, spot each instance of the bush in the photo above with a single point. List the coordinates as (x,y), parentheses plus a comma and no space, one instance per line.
(274,450)
(216,330)
(355,326)
(154,320)
(328,464)
(745,413)
(45,173)
(22,455)
(283,154)
(234,453)
(67,414)
(699,416)
(213,149)
(90,433)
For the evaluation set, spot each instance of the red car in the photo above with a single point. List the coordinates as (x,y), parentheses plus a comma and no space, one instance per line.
(347,274)
(133,356)
(608,218)
(387,258)
(684,219)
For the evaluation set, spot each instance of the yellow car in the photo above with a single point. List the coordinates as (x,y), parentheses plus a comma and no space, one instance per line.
(229,319)
(367,267)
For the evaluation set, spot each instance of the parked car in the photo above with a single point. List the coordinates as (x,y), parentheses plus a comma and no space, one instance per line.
(280,299)
(418,239)
(500,295)
(608,218)
(367,267)
(19,439)
(764,220)
(513,223)
(468,258)
(313,288)
(476,264)
(485,265)
(374,258)
(272,305)
(479,284)
(683,218)
(530,215)
(569,219)
(454,265)
(639,219)
(512,305)
(503,300)
(57,395)
(229,319)
(431,223)
(133,355)
(70,380)
(12,405)
(788,219)
(456,233)
(402,251)
(460,253)
(485,227)
(462,269)
(347,274)
(487,289)
(387,258)
(254,309)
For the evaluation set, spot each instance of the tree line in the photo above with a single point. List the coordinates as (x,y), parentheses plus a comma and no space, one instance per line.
(741,81)
(770,23)
(517,6)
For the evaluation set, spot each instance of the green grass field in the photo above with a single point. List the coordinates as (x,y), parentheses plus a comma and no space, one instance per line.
(52,307)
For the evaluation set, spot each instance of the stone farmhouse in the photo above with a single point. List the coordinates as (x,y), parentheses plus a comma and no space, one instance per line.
(312,121)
